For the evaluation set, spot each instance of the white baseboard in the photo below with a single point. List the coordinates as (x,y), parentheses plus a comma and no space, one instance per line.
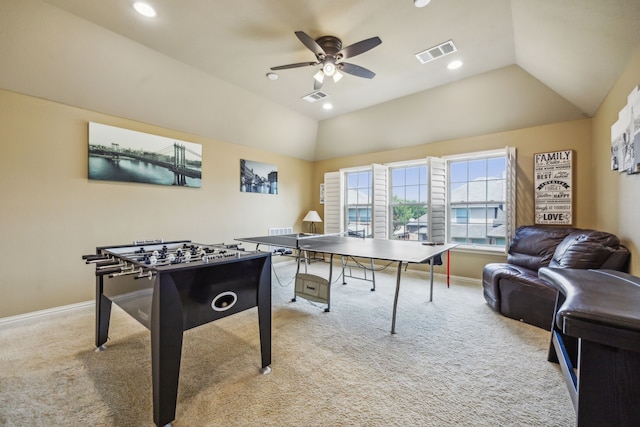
(47,312)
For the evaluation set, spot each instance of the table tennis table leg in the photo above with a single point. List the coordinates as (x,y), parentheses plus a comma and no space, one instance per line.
(395,300)
(344,264)
(431,279)
(326,310)
(297,271)
(448,266)
(373,274)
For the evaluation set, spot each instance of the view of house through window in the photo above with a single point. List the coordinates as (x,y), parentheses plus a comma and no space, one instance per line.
(409,195)
(359,197)
(477,200)
(471,198)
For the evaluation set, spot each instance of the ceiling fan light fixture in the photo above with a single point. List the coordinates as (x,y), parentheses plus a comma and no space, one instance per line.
(329,68)
(329,53)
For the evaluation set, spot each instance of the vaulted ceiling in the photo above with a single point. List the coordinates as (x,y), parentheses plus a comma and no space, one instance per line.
(573,48)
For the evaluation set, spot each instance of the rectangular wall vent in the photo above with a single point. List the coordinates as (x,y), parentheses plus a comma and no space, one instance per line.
(315,96)
(279,231)
(436,52)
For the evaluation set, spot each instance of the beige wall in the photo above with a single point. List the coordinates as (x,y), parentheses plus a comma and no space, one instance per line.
(617,195)
(574,135)
(52,214)
(504,99)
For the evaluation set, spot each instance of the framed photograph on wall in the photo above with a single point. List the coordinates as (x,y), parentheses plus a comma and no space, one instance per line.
(256,177)
(553,192)
(117,154)
(618,140)
(633,101)
(625,136)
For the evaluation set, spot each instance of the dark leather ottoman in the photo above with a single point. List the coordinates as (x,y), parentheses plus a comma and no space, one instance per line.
(599,310)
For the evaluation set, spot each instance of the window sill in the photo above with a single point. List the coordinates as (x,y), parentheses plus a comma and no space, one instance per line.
(480,249)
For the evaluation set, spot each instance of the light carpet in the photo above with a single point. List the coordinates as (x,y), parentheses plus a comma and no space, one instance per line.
(453,362)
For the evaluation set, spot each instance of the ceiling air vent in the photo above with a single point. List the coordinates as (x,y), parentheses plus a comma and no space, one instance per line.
(315,96)
(436,52)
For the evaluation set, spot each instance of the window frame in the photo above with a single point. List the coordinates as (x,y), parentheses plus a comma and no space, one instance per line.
(438,207)
(390,205)
(358,206)
(508,201)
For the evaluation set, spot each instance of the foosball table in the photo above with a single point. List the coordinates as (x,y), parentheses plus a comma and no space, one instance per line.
(171,287)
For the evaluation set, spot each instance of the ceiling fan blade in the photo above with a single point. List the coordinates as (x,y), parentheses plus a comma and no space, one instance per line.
(358,48)
(310,43)
(356,70)
(297,65)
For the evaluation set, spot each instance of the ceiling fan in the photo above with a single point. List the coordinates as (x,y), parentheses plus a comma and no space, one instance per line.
(330,54)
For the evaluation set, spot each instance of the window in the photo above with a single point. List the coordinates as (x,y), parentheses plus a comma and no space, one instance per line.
(467,199)
(477,200)
(408,205)
(359,201)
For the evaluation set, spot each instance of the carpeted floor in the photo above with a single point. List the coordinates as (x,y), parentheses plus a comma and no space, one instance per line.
(453,362)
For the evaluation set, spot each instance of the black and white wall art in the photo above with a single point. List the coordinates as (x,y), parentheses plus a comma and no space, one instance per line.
(117,154)
(256,177)
(625,136)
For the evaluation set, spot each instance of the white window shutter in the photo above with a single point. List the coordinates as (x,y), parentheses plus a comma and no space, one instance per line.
(437,202)
(510,188)
(380,206)
(333,203)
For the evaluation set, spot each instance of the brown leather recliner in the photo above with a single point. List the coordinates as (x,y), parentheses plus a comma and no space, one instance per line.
(514,288)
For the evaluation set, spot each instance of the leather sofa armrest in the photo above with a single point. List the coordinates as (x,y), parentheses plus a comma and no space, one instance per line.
(619,260)
(493,273)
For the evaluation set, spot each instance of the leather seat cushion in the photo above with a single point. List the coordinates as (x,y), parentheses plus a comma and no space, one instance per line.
(533,246)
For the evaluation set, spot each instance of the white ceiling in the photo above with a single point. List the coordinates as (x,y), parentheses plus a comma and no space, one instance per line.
(577,48)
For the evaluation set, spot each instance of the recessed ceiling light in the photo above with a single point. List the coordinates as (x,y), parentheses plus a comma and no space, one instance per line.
(327,106)
(454,65)
(272,76)
(144,9)
(421,3)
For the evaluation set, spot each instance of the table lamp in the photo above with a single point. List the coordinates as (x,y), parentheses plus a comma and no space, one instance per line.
(312,217)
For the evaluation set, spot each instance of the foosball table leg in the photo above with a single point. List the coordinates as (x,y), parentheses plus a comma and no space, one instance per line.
(166,348)
(103,315)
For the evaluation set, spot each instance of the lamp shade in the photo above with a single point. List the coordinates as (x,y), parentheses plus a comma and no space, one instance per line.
(312,216)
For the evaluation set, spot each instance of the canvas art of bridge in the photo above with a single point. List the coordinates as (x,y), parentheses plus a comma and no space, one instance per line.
(136,157)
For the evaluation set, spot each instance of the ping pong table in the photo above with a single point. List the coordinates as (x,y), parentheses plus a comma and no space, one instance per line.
(400,251)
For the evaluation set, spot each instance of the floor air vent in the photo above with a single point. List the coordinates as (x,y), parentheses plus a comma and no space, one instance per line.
(436,52)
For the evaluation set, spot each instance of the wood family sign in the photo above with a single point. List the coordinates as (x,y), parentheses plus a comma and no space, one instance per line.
(553,187)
